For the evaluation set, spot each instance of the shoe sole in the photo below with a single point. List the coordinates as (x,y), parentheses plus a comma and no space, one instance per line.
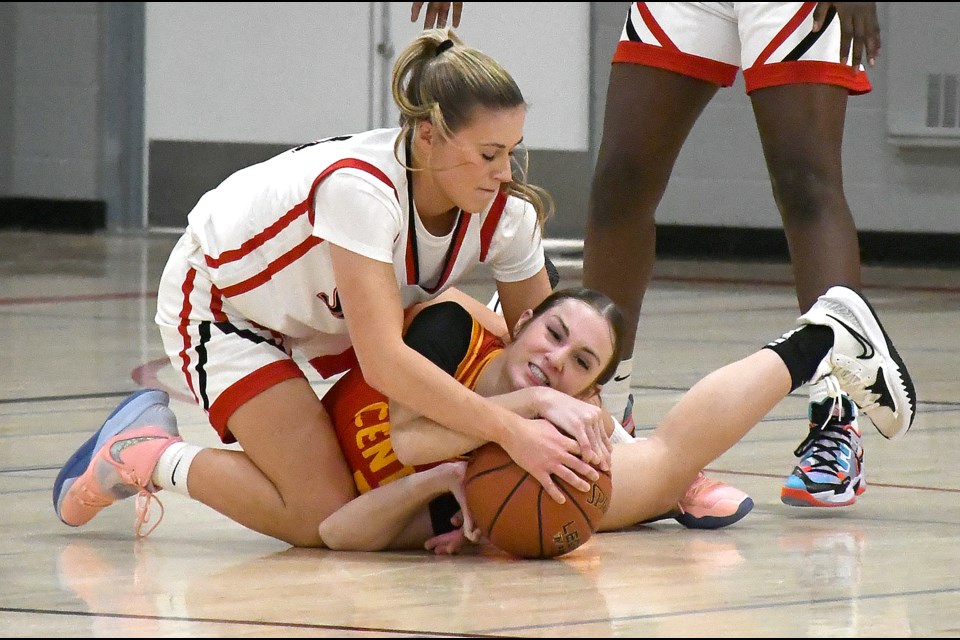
(135,404)
(799,497)
(903,382)
(715,522)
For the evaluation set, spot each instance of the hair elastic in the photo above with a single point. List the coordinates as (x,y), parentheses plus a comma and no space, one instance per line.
(443,46)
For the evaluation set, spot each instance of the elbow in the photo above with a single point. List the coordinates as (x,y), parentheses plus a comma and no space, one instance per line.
(377,380)
(404,445)
(338,540)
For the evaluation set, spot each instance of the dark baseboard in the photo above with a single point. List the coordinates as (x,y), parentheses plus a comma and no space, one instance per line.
(770,245)
(43,214)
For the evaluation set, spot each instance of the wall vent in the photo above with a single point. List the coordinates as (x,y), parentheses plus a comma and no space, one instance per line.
(923,74)
(943,101)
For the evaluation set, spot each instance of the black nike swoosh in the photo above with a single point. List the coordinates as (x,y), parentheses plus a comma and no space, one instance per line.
(866,349)
(173,475)
(620,378)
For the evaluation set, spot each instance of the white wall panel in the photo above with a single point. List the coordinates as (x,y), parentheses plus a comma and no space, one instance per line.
(271,72)
(284,72)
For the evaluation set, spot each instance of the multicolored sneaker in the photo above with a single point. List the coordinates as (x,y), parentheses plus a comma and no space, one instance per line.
(118,461)
(864,361)
(711,504)
(830,472)
(627,423)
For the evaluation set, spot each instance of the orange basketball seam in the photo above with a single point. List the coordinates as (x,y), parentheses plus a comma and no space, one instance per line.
(505,501)
(486,471)
(576,503)
(540,493)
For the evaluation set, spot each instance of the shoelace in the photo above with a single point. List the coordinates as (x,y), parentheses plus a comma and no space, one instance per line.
(143,501)
(831,434)
(701,484)
(855,387)
(830,437)
(833,392)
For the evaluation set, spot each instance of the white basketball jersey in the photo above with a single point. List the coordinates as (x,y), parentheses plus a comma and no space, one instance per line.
(265,231)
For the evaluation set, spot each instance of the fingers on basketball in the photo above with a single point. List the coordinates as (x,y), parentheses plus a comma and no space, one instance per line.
(515,513)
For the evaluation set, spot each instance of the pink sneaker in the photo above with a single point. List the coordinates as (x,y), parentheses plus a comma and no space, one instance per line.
(711,504)
(118,461)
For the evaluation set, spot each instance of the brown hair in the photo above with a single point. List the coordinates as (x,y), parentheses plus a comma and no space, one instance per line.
(603,305)
(438,78)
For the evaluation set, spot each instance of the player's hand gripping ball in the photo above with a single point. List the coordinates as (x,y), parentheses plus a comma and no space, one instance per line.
(516,514)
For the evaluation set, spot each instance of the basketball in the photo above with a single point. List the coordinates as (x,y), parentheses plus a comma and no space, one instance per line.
(518,516)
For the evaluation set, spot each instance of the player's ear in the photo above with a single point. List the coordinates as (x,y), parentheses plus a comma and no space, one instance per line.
(425,132)
(522,321)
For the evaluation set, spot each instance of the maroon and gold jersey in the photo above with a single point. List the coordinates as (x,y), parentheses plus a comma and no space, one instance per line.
(450,338)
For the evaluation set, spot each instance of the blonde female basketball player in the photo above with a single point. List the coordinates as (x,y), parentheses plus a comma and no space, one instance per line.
(317,252)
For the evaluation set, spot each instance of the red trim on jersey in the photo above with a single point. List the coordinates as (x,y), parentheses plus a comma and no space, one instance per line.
(274,267)
(490,223)
(687,64)
(185,309)
(807,71)
(411,262)
(655,28)
(246,388)
(463,223)
(216,304)
(258,240)
(785,32)
(351,163)
(331,365)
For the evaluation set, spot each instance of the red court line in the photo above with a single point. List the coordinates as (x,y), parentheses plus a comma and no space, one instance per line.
(88,297)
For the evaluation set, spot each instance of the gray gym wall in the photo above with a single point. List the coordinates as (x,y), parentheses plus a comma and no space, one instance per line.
(75,124)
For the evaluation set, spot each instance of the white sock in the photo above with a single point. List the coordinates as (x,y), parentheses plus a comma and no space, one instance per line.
(173,467)
(615,393)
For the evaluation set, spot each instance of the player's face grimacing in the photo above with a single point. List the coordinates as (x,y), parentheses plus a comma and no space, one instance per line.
(565,348)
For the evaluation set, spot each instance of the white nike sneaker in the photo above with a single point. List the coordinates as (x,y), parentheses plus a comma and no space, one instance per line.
(864,360)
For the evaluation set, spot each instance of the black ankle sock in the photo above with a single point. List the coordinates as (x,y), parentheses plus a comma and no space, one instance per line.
(802,351)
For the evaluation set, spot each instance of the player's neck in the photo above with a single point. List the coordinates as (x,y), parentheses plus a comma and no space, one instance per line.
(492,381)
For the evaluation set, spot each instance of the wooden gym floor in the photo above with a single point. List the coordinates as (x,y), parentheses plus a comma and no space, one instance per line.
(76,319)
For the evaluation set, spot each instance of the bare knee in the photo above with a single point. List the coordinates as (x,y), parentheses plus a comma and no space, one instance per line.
(805,194)
(624,183)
